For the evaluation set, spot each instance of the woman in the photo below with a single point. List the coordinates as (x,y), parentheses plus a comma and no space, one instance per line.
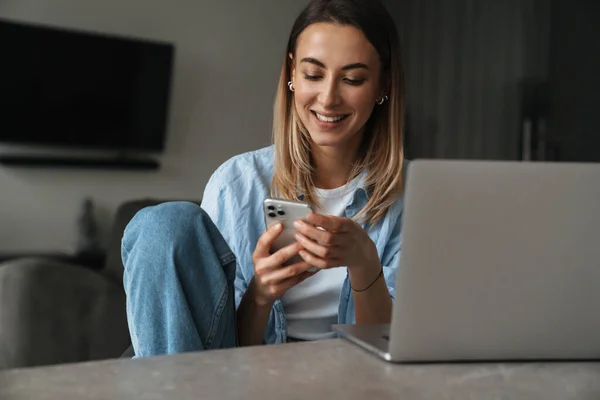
(337,146)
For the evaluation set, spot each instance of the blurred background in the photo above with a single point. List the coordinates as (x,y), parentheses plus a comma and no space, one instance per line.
(107,106)
(510,80)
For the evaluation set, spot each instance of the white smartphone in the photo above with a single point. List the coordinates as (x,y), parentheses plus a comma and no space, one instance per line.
(286,212)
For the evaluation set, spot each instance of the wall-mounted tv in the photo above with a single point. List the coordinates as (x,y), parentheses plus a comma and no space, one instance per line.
(68,88)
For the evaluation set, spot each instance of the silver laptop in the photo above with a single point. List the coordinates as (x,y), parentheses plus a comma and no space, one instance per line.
(499,261)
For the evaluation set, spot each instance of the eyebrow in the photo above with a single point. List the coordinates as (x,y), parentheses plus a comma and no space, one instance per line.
(318,63)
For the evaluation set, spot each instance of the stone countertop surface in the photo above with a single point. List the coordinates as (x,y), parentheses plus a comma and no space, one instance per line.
(330,369)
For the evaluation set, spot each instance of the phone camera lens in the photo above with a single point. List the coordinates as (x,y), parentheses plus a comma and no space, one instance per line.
(281,212)
(271,208)
(272,215)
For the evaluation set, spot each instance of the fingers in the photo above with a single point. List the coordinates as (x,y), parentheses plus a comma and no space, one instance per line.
(318,262)
(266,240)
(277,259)
(275,283)
(277,291)
(282,274)
(329,223)
(272,278)
(315,248)
(324,237)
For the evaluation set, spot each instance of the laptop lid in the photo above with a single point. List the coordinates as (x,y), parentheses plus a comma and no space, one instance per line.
(500,261)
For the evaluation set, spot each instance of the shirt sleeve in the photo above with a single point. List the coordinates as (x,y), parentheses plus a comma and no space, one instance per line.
(217,204)
(391,257)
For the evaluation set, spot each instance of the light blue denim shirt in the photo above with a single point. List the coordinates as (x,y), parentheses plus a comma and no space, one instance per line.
(233,199)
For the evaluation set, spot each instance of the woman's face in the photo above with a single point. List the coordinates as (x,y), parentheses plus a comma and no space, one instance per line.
(336,76)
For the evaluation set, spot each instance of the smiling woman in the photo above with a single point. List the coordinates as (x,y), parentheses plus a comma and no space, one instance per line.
(205,277)
(340,104)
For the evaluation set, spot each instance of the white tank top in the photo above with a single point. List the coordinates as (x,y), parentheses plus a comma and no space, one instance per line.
(311,307)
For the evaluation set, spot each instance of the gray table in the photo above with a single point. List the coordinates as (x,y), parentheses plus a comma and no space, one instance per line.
(332,369)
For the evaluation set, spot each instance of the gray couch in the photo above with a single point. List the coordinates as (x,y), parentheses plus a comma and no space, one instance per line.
(53,311)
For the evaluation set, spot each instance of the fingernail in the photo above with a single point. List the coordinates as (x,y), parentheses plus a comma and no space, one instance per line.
(298,224)
(277,226)
(298,236)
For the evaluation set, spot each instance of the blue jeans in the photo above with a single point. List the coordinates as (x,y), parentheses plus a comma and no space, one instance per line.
(179,281)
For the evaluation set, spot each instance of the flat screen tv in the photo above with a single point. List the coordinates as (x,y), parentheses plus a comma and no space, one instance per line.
(67,88)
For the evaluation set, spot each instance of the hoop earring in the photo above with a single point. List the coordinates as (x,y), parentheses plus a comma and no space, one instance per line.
(382,100)
(291,86)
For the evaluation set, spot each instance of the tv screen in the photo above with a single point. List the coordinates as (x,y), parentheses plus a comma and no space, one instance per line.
(68,88)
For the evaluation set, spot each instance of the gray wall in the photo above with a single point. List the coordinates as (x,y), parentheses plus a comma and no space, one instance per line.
(226,69)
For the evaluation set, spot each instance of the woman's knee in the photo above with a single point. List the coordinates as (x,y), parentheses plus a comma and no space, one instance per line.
(161,228)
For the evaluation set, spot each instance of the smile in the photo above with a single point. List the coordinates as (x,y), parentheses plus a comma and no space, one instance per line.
(330,119)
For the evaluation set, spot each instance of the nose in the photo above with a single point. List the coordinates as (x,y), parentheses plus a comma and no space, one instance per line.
(329,95)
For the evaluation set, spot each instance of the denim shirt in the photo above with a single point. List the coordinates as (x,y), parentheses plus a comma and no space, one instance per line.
(233,199)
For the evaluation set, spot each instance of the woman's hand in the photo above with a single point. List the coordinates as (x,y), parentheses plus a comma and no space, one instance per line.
(271,279)
(340,242)
(344,243)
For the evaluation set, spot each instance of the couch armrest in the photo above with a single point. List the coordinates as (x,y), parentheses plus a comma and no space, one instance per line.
(53,312)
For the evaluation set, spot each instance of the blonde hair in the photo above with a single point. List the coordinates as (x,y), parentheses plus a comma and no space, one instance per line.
(382,151)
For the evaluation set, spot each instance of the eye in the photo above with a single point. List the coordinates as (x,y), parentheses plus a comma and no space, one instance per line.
(311,77)
(354,82)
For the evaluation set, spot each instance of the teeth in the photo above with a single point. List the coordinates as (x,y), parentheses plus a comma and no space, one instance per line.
(329,119)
